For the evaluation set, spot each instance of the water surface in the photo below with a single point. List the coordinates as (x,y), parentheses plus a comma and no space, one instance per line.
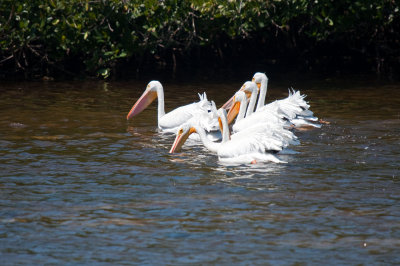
(81,185)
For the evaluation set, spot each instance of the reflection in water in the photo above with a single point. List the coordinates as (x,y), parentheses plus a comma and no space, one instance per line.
(80,184)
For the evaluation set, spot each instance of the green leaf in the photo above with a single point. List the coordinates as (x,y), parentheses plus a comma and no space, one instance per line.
(104,72)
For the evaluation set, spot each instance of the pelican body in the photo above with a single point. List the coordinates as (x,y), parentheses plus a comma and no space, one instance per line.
(248,148)
(246,117)
(268,120)
(294,107)
(169,122)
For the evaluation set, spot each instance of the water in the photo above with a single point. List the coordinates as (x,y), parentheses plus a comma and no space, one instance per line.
(80,185)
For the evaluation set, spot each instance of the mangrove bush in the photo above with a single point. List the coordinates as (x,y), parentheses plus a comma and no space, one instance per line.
(110,37)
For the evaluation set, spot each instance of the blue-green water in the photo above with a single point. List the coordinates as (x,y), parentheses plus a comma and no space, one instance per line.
(80,185)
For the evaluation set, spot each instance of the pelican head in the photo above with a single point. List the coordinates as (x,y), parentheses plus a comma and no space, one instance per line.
(182,135)
(258,78)
(249,87)
(238,98)
(245,92)
(228,104)
(153,88)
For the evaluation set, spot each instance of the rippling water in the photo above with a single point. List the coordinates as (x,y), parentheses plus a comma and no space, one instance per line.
(80,185)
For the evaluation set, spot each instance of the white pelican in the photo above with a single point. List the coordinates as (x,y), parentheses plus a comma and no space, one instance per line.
(251,95)
(171,121)
(247,119)
(294,107)
(250,148)
(267,120)
(228,105)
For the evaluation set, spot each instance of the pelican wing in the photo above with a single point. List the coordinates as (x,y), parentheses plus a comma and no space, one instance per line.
(172,120)
(264,116)
(273,130)
(293,108)
(256,143)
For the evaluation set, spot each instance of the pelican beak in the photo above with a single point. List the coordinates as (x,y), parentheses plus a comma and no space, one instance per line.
(233,112)
(180,139)
(220,124)
(228,105)
(221,127)
(147,98)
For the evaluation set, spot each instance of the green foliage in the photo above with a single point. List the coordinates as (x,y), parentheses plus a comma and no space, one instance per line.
(100,34)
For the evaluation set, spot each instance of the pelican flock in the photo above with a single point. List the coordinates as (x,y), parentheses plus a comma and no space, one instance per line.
(240,131)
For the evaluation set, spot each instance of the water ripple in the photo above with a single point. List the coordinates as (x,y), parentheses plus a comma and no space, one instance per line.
(83,186)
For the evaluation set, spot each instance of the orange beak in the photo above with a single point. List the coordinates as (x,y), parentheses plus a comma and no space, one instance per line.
(220,124)
(145,100)
(233,112)
(180,140)
(221,127)
(229,103)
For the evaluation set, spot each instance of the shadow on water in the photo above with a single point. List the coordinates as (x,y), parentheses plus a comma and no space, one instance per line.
(80,184)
